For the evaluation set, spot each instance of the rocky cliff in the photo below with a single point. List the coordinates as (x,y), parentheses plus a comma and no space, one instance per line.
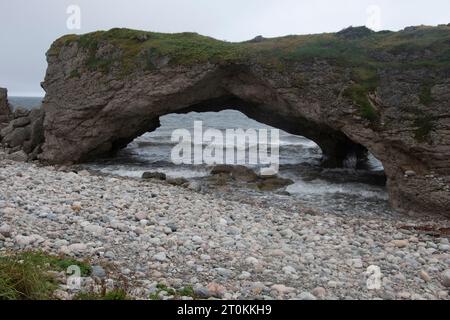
(351,91)
(5,109)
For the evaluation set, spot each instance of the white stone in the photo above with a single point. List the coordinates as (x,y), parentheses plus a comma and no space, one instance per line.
(306,296)
(282,289)
(94,229)
(289,270)
(24,240)
(244,275)
(77,248)
(251,260)
(197,239)
(161,256)
(5,230)
(400,243)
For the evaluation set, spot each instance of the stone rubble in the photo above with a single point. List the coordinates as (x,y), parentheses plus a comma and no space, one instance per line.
(154,233)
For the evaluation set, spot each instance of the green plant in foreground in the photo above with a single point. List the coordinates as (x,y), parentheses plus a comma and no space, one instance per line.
(25,276)
(23,279)
(116,294)
(57,263)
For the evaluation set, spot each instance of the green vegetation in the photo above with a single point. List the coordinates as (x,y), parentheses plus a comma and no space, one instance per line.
(74,74)
(365,83)
(25,276)
(116,294)
(57,263)
(425,94)
(186,291)
(355,47)
(424,126)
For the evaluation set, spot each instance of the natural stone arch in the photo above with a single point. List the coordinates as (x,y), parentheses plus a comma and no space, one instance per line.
(233,87)
(105,89)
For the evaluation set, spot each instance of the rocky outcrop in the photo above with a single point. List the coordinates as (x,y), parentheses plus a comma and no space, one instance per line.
(386,92)
(5,108)
(23,136)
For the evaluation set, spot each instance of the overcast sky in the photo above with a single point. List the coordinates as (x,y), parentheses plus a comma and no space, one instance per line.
(28,27)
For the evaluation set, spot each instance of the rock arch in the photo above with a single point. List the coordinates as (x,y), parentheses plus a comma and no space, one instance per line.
(105,89)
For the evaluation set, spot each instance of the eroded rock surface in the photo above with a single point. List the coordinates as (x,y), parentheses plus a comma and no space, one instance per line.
(349,92)
(5,109)
(24,134)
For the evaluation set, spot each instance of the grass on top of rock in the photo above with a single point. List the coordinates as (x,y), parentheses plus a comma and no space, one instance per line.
(424,125)
(26,275)
(354,47)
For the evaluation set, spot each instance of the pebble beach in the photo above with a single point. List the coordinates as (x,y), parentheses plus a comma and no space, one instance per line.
(150,233)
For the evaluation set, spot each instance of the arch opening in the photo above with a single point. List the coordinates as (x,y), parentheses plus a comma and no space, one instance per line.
(338,151)
(300,161)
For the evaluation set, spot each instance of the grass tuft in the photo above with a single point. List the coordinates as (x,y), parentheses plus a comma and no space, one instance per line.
(116,294)
(25,276)
(424,125)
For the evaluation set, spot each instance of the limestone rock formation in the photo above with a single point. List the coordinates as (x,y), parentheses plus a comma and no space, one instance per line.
(357,90)
(5,109)
(24,134)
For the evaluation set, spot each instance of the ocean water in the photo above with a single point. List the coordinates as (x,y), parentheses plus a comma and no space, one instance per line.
(25,102)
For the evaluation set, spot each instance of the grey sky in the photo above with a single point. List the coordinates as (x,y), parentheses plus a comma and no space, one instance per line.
(28,27)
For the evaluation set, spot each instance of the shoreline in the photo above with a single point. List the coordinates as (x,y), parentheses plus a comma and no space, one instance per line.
(151,234)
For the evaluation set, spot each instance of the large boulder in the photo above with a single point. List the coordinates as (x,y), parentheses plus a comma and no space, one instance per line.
(24,134)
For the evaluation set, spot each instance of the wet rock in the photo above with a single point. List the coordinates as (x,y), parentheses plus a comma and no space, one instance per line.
(240,173)
(177,181)
(274,183)
(154,175)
